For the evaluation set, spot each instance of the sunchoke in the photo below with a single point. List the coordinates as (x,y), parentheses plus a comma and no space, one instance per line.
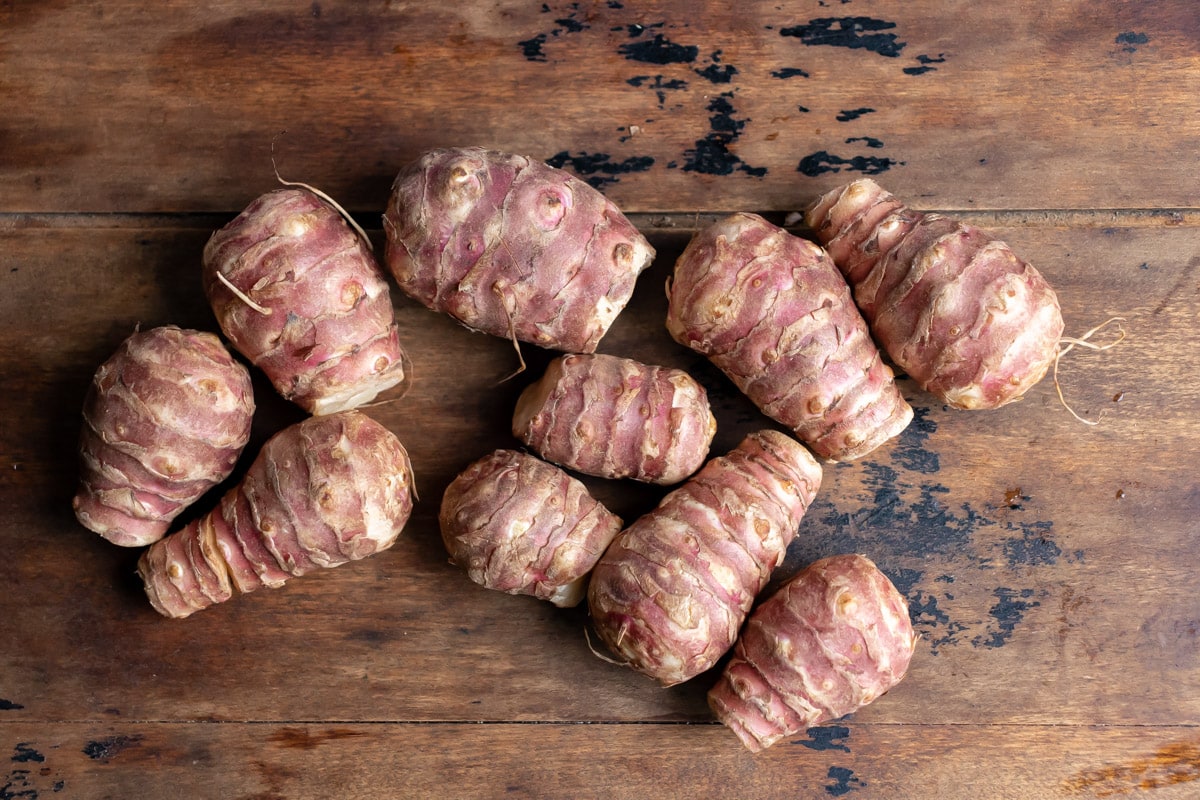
(512,247)
(164,420)
(673,588)
(951,305)
(322,492)
(519,525)
(299,293)
(616,417)
(834,637)
(773,313)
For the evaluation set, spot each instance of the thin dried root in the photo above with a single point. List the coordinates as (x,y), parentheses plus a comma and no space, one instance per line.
(345,214)
(1084,341)
(512,335)
(245,298)
(588,638)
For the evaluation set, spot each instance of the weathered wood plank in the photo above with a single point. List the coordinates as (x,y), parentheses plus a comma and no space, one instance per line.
(670,106)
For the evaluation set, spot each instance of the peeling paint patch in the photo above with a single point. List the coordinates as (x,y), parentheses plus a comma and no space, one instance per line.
(659,50)
(598,169)
(712,154)
(843,780)
(865,33)
(924,62)
(789,72)
(848,115)
(1130,41)
(822,162)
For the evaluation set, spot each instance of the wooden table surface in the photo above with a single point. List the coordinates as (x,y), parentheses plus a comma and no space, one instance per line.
(1050,565)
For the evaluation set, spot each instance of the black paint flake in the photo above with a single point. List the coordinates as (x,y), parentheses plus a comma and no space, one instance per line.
(659,84)
(718,73)
(869,141)
(924,62)
(637,29)
(789,72)
(853,32)
(108,747)
(1009,610)
(844,781)
(847,115)
(826,737)
(9,705)
(1131,39)
(532,48)
(711,155)
(25,754)
(598,169)
(822,162)
(659,50)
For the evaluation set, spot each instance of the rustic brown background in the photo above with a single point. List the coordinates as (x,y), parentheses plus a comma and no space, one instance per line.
(1050,566)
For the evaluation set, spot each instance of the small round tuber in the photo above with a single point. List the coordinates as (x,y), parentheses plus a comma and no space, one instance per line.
(614,417)
(519,525)
(833,638)
(164,420)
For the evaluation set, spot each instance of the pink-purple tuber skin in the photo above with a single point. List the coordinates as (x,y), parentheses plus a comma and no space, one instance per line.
(832,639)
(673,589)
(312,308)
(164,420)
(331,489)
(510,246)
(773,313)
(953,306)
(615,417)
(519,525)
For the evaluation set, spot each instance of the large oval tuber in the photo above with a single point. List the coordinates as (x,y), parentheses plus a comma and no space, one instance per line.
(774,314)
(512,247)
(519,525)
(615,417)
(299,293)
(833,638)
(671,592)
(164,420)
(321,493)
(952,306)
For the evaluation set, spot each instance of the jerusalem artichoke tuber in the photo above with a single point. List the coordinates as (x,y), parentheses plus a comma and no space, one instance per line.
(165,420)
(325,491)
(773,313)
(834,638)
(519,525)
(615,417)
(674,587)
(512,247)
(952,306)
(301,296)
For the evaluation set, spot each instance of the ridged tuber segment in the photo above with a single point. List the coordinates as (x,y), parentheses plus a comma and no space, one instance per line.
(671,592)
(164,420)
(773,313)
(615,417)
(512,247)
(519,525)
(321,493)
(952,306)
(831,640)
(315,313)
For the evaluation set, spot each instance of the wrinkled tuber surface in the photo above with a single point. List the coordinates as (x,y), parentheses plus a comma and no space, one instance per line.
(615,417)
(315,313)
(832,639)
(952,306)
(774,314)
(325,491)
(519,525)
(165,420)
(674,587)
(512,247)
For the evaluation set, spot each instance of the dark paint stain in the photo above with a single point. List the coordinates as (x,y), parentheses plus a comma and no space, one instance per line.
(109,747)
(711,155)
(802,109)
(571,25)
(9,705)
(302,739)
(598,169)
(912,451)
(1010,608)
(853,113)
(659,50)
(858,33)
(826,737)
(789,72)
(532,48)
(1131,39)
(1033,547)
(925,62)
(24,754)
(659,84)
(844,781)
(1170,765)
(869,141)
(637,29)
(614,4)
(822,162)
(718,73)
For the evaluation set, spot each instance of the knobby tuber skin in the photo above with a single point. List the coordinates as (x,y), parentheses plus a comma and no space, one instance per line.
(615,417)
(951,305)
(325,491)
(164,420)
(672,590)
(774,314)
(315,313)
(833,638)
(512,247)
(519,525)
